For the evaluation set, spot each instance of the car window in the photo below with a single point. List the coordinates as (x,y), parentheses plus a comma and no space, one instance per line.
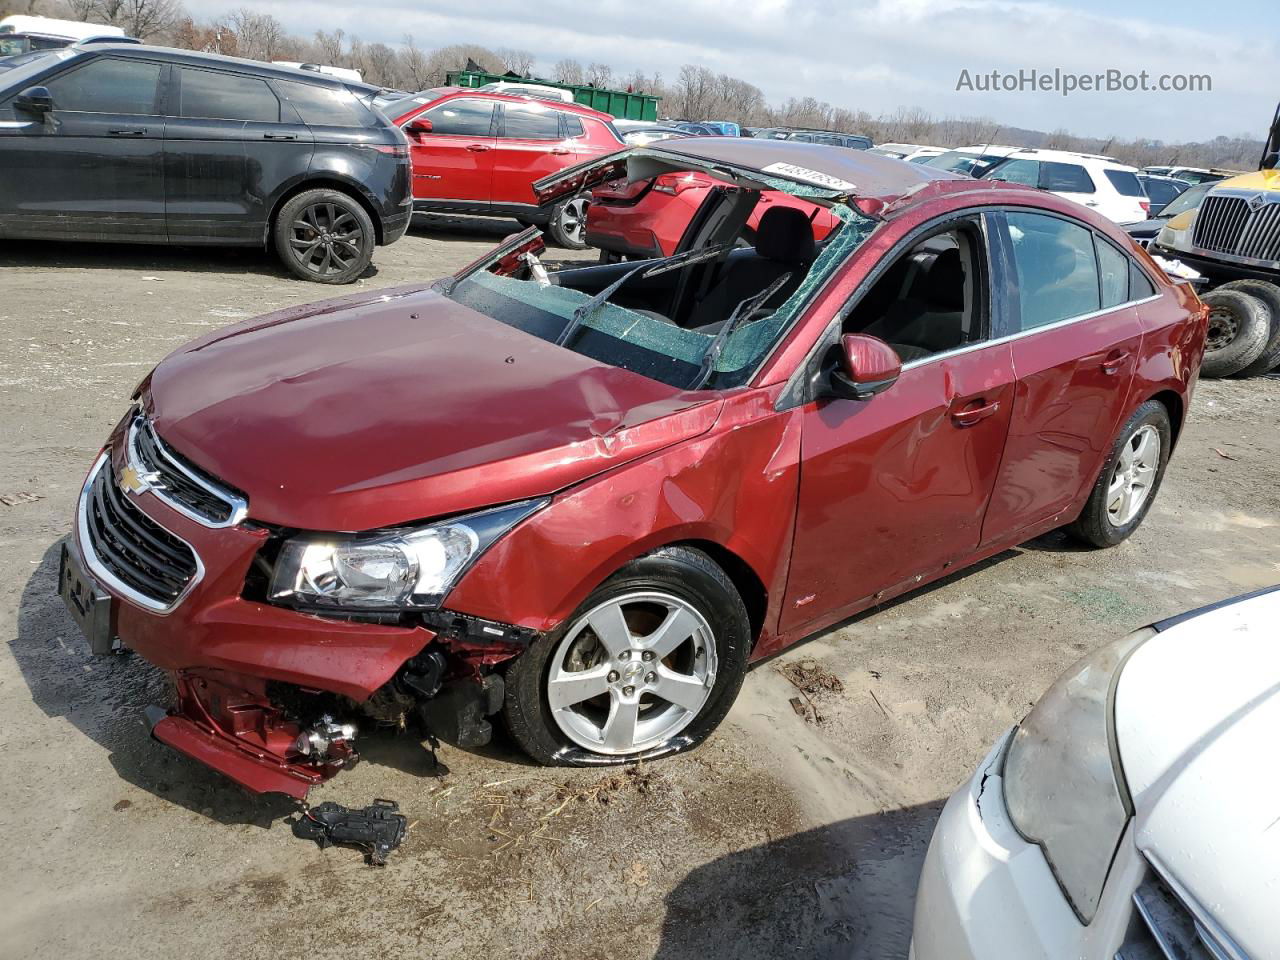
(1140,285)
(572,125)
(1017,171)
(1189,199)
(108,86)
(461,118)
(1161,191)
(528,123)
(1065,178)
(1114,267)
(225,96)
(1125,182)
(326,106)
(1056,269)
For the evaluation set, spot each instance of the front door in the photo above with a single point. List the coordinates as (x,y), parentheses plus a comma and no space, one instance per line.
(454,162)
(91,168)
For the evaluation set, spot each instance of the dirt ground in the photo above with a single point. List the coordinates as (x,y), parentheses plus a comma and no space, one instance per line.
(781,836)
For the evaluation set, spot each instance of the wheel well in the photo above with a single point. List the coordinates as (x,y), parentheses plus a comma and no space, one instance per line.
(1172,403)
(754,596)
(323,184)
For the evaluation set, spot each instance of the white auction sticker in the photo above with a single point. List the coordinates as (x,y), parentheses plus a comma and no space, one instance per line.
(793,172)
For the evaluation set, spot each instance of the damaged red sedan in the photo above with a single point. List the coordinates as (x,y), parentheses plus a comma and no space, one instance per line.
(586,499)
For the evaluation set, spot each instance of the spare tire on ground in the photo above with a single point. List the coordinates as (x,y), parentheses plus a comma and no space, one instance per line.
(1269,294)
(1239,328)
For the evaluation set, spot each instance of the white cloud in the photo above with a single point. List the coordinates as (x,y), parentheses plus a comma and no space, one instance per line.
(875,55)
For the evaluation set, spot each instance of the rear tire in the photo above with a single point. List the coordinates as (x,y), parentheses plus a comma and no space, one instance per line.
(1269,294)
(568,225)
(1132,470)
(324,236)
(676,591)
(1239,329)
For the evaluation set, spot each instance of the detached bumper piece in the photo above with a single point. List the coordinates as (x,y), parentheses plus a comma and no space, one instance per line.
(377,829)
(247,738)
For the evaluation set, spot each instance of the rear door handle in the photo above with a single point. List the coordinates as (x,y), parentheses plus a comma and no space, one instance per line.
(969,414)
(129,132)
(279,136)
(477,147)
(560,151)
(1114,362)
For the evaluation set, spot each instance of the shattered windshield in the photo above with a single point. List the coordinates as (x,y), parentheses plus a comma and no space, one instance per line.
(705,317)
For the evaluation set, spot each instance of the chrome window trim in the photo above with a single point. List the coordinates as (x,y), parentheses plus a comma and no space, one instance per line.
(103,574)
(239,506)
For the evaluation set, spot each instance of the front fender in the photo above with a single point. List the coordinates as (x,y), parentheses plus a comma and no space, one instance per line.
(734,486)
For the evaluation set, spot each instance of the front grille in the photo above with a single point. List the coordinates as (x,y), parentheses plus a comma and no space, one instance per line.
(179,482)
(1164,928)
(1229,225)
(136,553)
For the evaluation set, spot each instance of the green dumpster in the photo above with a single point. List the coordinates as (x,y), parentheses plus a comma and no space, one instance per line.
(618,103)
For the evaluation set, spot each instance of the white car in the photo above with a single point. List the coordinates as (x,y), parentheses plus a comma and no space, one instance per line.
(974,160)
(1133,815)
(537,90)
(23,34)
(910,152)
(1100,183)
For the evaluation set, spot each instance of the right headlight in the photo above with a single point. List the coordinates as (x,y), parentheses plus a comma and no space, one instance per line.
(1172,239)
(1063,785)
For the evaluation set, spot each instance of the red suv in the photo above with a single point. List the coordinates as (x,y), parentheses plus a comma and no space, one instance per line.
(648,218)
(479,153)
(587,499)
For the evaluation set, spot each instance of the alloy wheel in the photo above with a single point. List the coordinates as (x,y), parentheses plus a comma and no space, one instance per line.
(1133,476)
(573,219)
(326,239)
(632,673)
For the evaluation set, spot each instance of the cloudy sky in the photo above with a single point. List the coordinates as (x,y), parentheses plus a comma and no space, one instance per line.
(877,55)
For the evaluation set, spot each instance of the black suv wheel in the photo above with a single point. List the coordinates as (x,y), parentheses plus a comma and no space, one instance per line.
(324,235)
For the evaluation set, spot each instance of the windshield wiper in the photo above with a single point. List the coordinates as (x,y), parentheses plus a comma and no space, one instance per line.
(645,270)
(743,310)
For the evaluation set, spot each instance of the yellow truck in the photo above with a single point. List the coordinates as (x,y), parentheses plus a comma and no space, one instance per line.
(1233,240)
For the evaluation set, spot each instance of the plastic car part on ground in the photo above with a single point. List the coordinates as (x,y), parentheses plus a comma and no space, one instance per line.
(377,829)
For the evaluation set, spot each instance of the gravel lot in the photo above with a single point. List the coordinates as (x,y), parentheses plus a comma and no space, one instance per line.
(778,837)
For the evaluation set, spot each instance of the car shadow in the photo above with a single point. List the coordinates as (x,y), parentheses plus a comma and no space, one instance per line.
(104,698)
(52,254)
(449,226)
(844,890)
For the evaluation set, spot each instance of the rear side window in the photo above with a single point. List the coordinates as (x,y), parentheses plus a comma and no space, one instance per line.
(572,125)
(326,106)
(1056,267)
(461,118)
(528,123)
(225,96)
(108,86)
(1114,267)
(1026,172)
(1125,182)
(1140,285)
(1065,178)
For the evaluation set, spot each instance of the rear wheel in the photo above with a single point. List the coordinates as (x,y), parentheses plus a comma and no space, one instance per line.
(568,224)
(649,664)
(1127,485)
(1239,329)
(325,236)
(1269,295)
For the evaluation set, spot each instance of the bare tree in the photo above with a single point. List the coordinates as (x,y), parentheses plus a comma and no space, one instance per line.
(329,46)
(599,74)
(516,61)
(567,70)
(414,66)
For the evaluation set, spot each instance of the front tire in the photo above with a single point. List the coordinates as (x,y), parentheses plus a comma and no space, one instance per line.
(324,236)
(648,664)
(1129,480)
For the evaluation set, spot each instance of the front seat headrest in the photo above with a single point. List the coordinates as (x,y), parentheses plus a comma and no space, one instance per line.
(786,235)
(945,281)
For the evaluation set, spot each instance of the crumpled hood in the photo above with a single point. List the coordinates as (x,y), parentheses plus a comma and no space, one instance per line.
(376,410)
(1197,715)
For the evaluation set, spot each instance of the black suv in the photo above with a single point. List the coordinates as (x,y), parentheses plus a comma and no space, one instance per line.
(138,144)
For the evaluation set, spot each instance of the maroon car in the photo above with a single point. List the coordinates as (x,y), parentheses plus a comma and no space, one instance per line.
(587,500)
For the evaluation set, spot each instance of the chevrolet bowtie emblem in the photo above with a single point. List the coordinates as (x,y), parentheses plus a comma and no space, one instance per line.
(135,481)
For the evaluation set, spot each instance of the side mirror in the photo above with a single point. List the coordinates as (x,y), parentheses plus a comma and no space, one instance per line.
(866,366)
(418,125)
(34,100)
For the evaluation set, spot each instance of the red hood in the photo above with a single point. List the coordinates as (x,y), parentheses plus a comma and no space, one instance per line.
(372,411)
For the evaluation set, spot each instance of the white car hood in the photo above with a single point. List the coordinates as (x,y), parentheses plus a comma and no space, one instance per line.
(1198,728)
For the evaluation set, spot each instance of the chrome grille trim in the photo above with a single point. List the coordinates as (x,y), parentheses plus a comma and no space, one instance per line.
(90,547)
(181,486)
(1169,925)
(1234,226)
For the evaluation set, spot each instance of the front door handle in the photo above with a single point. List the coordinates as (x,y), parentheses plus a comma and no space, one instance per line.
(129,132)
(1114,362)
(477,147)
(973,412)
(279,136)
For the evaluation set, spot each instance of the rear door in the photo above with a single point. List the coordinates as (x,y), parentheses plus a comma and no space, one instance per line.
(92,169)
(1076,338)
(530,144)
(454,162)
(220,126)
(1072,181)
